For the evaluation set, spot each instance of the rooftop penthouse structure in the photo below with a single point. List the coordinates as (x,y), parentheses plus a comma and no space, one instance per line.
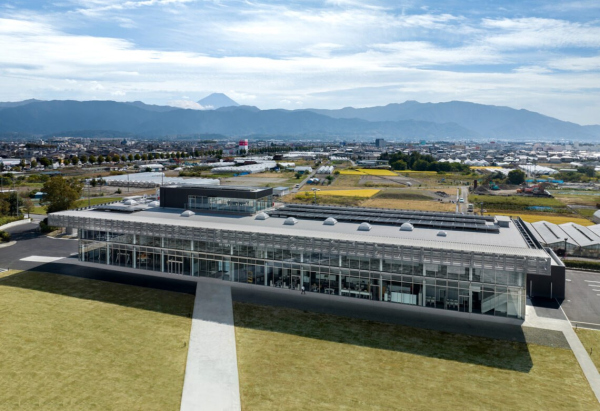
(463,263)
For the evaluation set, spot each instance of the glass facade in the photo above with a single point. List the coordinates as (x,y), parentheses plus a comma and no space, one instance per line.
(229,205)
(387,279)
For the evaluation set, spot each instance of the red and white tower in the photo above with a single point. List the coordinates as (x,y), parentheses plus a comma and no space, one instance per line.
(243,146)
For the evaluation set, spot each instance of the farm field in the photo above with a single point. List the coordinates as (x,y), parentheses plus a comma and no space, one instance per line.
(408,204)
(369,172)
(286,355)
(366,193)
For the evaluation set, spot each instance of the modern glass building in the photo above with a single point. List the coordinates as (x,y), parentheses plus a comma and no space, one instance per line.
(484,265)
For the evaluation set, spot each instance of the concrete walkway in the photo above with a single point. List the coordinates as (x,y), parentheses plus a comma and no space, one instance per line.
(585,362)
(211,373)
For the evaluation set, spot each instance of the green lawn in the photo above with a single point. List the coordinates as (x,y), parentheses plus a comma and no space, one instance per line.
(294,360)
(80,203)
(75,344)
(95,201)
(591,341)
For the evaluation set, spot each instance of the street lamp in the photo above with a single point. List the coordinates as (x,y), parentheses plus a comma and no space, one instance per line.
(565,256)
(314,189)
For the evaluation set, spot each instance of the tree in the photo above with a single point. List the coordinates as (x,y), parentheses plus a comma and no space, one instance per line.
(100,159)
(145,157)
(116,158)
(34,164)
(28,206)
(66,161)
(74,160)
(137,157)
(399,165)
(123,158)
(587,170)
(46,162)
(92,159)
(130,157)
(84,159)
(516,177)
(60,194)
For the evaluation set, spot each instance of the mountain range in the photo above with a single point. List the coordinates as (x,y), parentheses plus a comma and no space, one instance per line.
(409,120)
(217,100)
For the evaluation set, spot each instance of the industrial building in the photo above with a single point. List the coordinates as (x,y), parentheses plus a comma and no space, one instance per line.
(461,263)
(577,240)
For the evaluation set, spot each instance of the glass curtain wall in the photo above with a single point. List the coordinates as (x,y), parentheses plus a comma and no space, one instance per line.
(230,205)
(455,288)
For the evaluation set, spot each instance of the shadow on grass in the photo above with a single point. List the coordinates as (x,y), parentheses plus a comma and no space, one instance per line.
(481,351)
(112,287)
(318,324)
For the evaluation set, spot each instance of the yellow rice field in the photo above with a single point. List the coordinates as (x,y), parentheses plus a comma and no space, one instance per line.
(366,193)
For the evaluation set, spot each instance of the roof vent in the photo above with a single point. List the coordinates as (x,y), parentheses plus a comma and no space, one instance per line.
(330,221)
(290,221)
(130,202)
(364,227)
(154,204)
(441,234)
(406,227)
(261,216)
(187,213)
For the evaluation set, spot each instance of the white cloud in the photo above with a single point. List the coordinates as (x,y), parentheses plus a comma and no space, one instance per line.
(346,53)
(188,104)
(540,32)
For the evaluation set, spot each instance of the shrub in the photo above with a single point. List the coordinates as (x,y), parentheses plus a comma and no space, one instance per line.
(587,265)
(4,237)
(45,228)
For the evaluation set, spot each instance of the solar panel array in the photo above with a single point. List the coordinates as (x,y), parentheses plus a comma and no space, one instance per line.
(446,221)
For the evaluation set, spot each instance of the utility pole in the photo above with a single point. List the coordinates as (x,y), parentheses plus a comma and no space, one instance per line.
(315,191)
(16,196)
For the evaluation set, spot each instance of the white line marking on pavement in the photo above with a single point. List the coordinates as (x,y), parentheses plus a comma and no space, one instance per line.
(41,259)
(595,290)
(581,322)
(591,281)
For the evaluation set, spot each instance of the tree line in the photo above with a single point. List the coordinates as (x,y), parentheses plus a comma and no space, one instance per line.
(421,162)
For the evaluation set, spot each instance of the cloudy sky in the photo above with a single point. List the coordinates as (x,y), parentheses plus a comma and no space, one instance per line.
(538,55)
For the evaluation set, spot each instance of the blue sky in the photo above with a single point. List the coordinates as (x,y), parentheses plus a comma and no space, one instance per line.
(537,55)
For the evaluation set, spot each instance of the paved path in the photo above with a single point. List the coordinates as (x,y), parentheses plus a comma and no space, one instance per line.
(585,362)
(211,374)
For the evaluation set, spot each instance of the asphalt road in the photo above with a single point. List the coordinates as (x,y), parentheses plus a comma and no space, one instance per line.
(582,306)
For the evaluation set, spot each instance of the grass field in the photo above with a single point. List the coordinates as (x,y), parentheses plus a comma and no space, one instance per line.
(408,204)
(404,195)
(591,341)
(323,200)
(366,193)
(295,360)
(346,181)
(75,344)
(507,202)
(79,203)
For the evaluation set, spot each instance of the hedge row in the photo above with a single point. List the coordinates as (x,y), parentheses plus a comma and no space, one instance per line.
(587,265)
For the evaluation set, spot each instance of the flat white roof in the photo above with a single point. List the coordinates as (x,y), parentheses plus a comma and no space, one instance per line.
(508,241)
